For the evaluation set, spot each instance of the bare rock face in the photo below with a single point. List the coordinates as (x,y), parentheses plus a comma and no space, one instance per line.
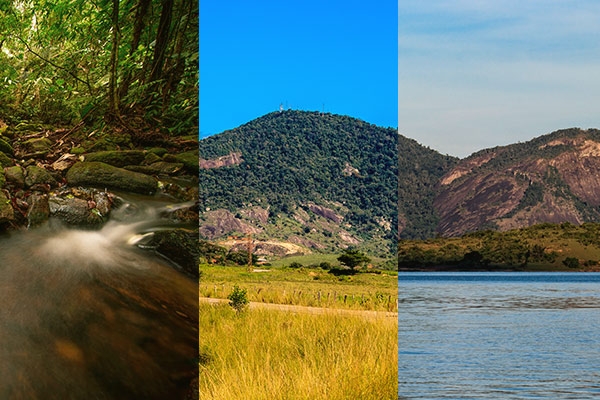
(554,178)
(326,213)
(233,158)
(221,222)
(256,214)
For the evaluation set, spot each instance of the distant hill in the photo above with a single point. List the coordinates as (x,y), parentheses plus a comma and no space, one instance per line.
(302,180)
(554,178)
(419,171)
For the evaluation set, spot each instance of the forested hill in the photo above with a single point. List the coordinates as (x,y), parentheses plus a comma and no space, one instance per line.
(325,180)
(419,172)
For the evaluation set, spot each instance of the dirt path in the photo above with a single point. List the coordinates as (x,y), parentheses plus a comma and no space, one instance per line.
(306,309)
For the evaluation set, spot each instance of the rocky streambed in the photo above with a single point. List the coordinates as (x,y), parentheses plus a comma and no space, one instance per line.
(98,267)
(53,174)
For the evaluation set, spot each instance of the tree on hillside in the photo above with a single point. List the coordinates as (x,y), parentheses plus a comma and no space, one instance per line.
(353,258)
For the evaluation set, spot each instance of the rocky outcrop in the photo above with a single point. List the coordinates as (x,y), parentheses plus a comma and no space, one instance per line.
(221,222)
(233,158)
(326,213)
(553,178)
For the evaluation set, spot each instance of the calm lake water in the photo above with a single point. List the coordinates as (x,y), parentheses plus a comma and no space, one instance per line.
(499,335)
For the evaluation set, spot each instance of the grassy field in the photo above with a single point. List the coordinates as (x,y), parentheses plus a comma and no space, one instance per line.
(267,354)
(304,286)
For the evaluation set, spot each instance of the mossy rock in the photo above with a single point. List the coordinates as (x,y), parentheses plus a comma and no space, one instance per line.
(36,147)
(102,175)
(117,158)
(36,175)
(158,168)
(6,148)
(151,158)
(2,178)
(159,151)
(15,176)
(7,213)
(6,161)
(189,160)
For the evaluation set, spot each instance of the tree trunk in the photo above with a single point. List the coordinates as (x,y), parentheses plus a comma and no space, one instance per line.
(113,95)
(162,41)
(140,14)
(176,65)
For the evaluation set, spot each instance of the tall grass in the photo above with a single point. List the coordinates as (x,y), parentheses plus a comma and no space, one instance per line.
(275,355)
(306,287)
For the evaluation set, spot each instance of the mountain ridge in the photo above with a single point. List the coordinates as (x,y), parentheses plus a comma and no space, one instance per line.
(320,180)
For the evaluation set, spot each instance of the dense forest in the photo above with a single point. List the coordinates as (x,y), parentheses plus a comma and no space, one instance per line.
(419,171)
(293,158)
(130,65)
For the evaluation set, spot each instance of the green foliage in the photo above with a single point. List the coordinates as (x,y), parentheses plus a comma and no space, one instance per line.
(295,264)
(238,299)
(537,247)
(294,158)
(571,262)
(56,58)
(353,258)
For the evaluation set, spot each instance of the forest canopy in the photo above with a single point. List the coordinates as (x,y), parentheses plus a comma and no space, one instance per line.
(131,64)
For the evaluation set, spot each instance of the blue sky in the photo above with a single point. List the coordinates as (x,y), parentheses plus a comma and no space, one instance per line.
(340,56)
(478,74)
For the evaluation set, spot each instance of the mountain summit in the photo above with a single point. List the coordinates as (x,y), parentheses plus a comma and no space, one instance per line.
(303,181)
(553,178)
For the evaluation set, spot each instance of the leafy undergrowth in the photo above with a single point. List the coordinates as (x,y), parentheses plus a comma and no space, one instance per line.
(269,354)
(313,287)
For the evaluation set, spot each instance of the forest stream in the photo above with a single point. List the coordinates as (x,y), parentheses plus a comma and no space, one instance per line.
(91,314)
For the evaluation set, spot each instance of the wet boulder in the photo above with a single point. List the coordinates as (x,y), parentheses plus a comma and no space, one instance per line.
(180,246)
(102,175)
(39,209)
(74,211)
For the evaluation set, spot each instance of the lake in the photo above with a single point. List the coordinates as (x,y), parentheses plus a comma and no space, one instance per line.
(499,335)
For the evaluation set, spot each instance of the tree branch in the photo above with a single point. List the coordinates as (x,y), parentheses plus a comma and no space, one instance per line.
(56,65)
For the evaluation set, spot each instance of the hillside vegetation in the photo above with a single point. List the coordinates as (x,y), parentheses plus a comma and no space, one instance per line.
(329,179)
(545,246)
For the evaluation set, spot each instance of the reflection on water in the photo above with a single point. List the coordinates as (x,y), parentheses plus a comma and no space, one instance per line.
(507,336)
(84,314)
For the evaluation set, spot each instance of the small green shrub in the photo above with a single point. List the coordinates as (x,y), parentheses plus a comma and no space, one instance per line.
(238,298)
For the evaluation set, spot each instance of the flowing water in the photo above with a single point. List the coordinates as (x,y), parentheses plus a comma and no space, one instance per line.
(88,315)
(499,336)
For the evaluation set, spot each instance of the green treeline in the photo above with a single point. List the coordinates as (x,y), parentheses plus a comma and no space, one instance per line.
(419,171)
(543,246)
(132,64)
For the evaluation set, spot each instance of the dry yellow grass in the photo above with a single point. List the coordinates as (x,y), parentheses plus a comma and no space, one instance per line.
(276,355)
